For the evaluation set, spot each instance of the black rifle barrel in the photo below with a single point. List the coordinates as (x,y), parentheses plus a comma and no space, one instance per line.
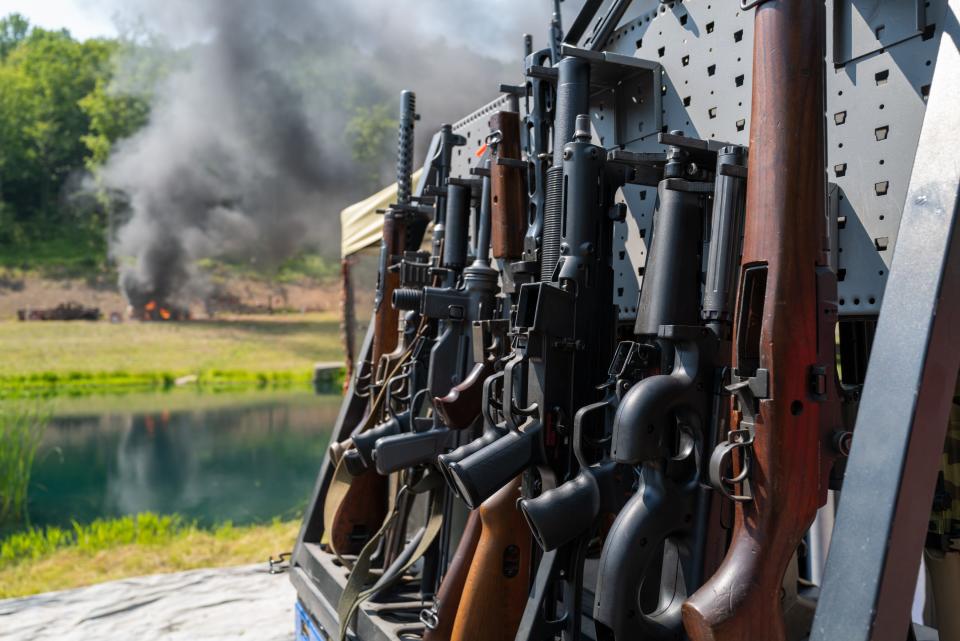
(408,108)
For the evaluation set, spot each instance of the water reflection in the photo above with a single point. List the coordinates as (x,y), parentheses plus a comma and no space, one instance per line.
(243,459)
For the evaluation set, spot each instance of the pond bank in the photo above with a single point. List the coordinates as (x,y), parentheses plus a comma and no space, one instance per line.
(203,605)
(58,559)
(69,358)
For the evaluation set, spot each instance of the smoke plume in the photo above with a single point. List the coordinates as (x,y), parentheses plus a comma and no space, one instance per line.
(244,156)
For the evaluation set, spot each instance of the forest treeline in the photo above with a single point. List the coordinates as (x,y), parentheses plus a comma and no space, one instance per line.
(58,121)
(60,116)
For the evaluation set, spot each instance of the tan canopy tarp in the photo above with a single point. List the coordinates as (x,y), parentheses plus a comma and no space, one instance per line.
(360,224)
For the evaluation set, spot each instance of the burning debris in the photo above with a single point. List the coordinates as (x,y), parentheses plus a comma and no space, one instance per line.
(154,311)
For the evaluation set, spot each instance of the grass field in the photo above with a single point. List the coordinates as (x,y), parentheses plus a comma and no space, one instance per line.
(58,559)
(73,356)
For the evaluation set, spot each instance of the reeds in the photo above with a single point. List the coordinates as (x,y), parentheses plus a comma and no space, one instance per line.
(21,430)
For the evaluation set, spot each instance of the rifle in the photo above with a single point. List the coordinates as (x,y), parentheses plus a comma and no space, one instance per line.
(451,357)
(364,505)
(556,331)
(494,591)
(654,552)
(440,617)
(504,234)
(784,371)
(556,321)
(409,273)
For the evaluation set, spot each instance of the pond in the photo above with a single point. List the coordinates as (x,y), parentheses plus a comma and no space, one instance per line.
(212,458)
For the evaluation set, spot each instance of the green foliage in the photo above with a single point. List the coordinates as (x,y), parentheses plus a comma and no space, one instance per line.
(59,119)
(370,132)
(146,528)
(307,265)
(13,29)
(113,116)
(67,252)
(42,81)
(21,430)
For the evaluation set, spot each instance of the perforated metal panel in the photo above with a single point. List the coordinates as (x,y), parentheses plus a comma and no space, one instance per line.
(475,129)
(880,58)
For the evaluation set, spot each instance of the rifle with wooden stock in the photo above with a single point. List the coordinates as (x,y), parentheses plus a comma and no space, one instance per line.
(495,590)
(776,460)
(362,509)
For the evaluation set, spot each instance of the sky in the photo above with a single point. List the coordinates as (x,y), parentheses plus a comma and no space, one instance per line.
(84,18)
(495,24)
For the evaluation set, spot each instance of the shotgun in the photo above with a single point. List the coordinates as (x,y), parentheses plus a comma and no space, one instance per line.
(784,377)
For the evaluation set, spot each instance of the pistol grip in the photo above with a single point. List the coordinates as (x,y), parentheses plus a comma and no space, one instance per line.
(460,408)
(662,511)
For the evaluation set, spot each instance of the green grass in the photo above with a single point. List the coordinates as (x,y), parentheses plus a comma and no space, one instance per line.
(39,560)
(82,358)
(187,398)
(21,430)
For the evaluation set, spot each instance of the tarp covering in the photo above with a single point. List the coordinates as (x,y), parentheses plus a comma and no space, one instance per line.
(200,605)
(360,224)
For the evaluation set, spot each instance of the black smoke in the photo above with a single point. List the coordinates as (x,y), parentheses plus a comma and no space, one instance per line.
(244,156)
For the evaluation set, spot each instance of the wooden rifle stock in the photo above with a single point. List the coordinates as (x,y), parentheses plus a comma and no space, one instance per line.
(495,593)
(364,508)
(461,407)
(451,589)
(386,316)
(784,333)
(507,187)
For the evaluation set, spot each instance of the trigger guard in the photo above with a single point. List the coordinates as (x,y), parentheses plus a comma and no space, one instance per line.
(719,460)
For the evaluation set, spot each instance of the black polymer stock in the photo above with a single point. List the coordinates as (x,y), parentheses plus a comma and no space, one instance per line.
(667,421)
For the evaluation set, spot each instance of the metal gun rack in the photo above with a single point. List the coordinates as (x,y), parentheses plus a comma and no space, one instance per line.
(893,90)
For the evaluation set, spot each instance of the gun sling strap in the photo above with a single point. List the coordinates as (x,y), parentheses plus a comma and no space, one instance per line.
(340,483)
(362,573)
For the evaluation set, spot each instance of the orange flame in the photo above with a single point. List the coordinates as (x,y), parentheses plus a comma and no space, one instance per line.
(152,305)
(164,314)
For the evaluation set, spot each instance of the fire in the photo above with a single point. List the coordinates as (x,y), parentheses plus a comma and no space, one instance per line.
(164,314)
(152,305)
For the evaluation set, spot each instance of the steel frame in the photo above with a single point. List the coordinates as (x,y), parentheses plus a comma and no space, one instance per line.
(873,561)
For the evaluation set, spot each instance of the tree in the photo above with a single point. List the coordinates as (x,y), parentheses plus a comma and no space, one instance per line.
(13,29)
(57,118)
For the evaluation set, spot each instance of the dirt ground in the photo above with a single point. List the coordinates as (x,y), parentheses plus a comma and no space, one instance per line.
(236,295)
